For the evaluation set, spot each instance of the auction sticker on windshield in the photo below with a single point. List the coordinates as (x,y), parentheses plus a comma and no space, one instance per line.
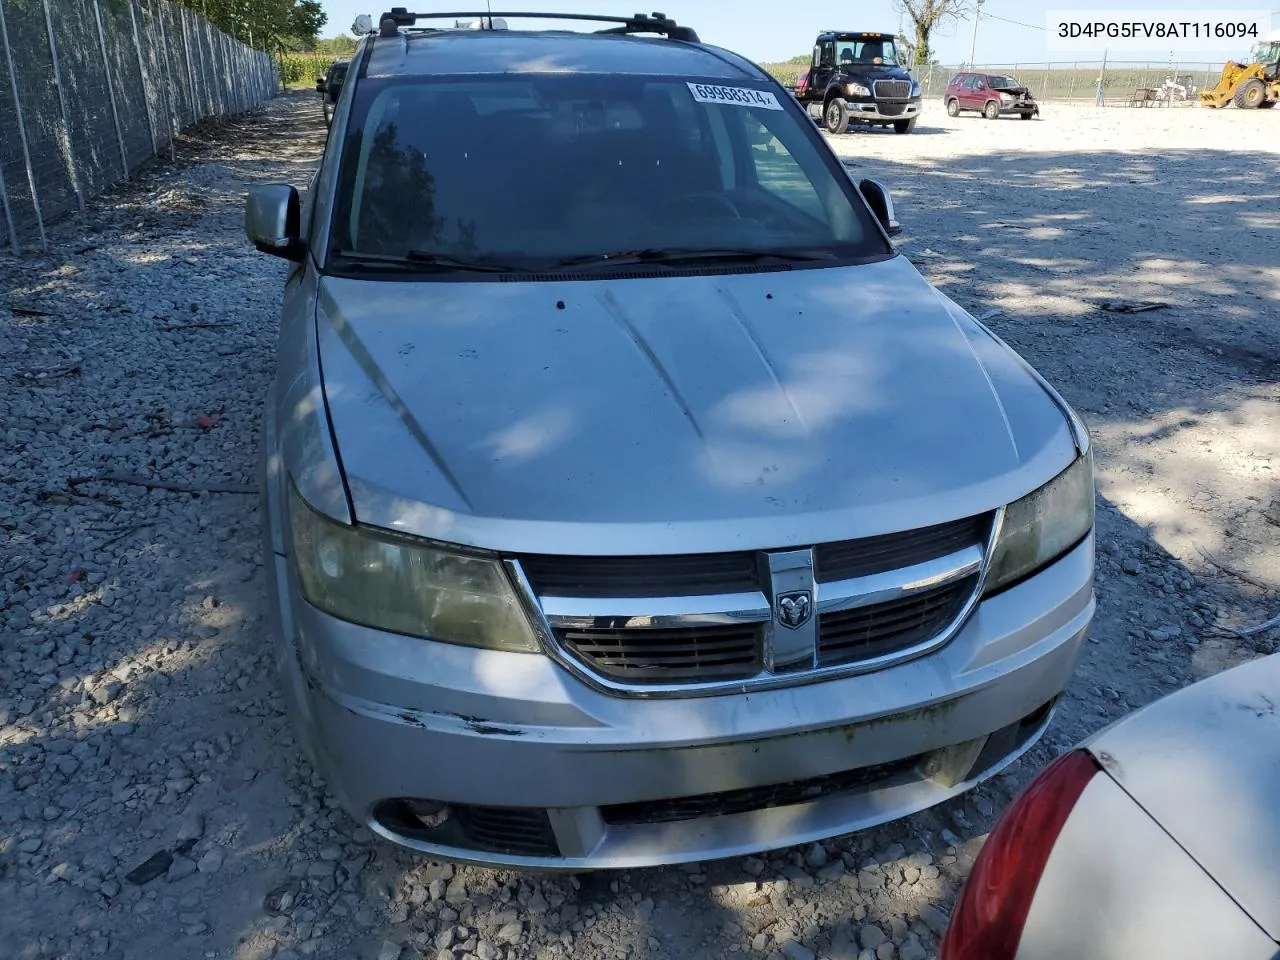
(734,96)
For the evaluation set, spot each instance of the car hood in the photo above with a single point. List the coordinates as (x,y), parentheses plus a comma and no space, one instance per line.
(1205,764)
(676,414)
(872,72)
(1016,91)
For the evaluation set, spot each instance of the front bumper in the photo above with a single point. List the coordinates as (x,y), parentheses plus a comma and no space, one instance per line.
(1020,107)
(518,742)
(873,111)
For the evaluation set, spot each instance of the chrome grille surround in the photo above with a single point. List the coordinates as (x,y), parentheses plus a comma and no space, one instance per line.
(945,588)
(891,89)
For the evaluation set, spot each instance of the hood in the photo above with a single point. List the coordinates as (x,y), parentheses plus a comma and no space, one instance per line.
(887,71)
(1205,764)
(677,414)
(1016,91)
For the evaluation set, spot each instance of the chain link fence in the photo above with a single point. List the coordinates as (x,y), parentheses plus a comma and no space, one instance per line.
(1123,83)
(92,89)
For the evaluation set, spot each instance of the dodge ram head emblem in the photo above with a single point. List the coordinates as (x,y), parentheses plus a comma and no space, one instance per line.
(793,610)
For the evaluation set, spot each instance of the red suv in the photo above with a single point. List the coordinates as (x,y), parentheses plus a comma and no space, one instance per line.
(990,94)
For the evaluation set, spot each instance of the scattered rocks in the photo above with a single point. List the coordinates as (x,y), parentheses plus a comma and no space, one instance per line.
(181,868)
(211,862)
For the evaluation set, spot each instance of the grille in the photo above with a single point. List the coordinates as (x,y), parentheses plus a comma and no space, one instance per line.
(678,576)
(759,798)
(884,628)
(893,89)
(891,109)
(668,654)
(713,573)
(861,558)
(517,831)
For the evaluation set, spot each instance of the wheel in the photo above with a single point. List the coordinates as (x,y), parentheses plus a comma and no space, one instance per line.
(992,110)
(1266,104)
(904,126)
(837,115)
(953,108)
(1027,116)
(1250,94)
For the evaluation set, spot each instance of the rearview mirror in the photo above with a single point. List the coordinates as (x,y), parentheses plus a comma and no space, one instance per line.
(881,204)
(272,221)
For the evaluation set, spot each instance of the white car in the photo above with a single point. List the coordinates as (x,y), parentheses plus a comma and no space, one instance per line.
(1157,838)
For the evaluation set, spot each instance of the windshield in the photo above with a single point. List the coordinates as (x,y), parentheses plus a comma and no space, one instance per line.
(999,82)
(553,167)
(1266,52)
(879,51)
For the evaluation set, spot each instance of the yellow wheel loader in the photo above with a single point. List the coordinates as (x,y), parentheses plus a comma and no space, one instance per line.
(1249,85)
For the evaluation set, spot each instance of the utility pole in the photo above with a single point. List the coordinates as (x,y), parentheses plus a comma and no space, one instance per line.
(973,45)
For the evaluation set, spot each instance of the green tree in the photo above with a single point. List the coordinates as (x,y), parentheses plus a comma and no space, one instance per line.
(273,25)
(339,46)
(925,16)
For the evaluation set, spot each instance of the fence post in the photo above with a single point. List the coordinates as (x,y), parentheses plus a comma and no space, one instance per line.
(111,89)
(191,73)
(72,172)
(143,76)
(22,130)
(168,86)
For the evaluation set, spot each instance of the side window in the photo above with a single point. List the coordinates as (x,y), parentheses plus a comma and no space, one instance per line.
(776,170)
(979,83)
(829,53)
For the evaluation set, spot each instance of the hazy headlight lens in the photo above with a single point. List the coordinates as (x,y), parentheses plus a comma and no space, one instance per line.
(1043,525)
(406,587)
(915,88)
(856,90)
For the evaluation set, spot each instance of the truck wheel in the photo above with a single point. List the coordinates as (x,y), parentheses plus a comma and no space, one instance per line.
(953,108)
(1266,104)
(1250,94)
(904,126)
(837,116)
(1027,116)
(992,110)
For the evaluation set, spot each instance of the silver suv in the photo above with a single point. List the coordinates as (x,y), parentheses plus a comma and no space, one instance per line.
(631,500)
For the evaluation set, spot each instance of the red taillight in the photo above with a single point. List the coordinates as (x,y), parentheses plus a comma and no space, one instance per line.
(987,921)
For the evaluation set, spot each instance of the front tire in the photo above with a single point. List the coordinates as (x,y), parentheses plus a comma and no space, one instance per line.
(992,110)
(953,108)
(1250,94)
(837,116)
(904,126)
(1027,116)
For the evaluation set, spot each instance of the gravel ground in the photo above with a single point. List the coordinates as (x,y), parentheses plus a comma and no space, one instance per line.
(152,800)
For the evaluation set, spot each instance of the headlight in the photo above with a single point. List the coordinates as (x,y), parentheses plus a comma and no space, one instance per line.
(1043,525)
(406,586)
(915,88)
(856,90)
(1007,97)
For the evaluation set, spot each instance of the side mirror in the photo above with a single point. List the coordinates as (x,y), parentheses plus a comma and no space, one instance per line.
(881,204)
(272,221)
(319,84)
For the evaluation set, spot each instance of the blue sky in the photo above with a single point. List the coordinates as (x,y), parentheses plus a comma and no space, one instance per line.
(767,30)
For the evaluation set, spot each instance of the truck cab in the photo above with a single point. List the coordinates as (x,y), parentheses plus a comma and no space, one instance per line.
(857,78)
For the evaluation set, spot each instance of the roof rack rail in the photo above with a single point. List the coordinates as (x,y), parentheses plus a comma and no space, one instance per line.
(658,23)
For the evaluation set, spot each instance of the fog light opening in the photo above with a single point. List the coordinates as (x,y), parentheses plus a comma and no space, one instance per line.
(430,813)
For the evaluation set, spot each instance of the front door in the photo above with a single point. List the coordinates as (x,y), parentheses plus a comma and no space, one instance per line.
(823,68)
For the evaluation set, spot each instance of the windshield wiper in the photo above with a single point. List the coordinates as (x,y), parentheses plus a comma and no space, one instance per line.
(675,256)
(415,260)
